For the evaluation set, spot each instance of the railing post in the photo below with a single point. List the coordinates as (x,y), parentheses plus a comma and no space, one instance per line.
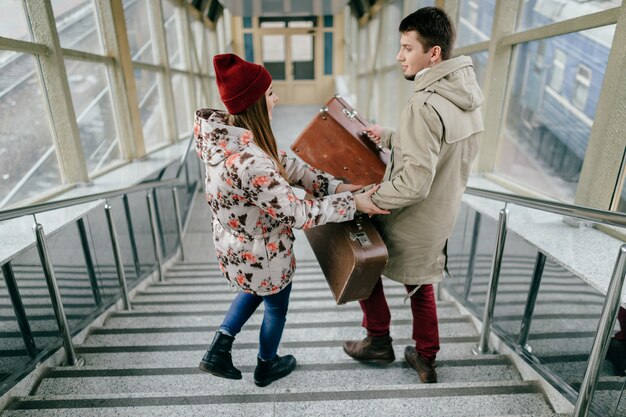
(55,296)
(82,232)
(20,311)
(533,291)
(179,226)
(601,341)
(117,255)
(187,182)
(159,224)
(155,238)
(200,176)
(131,235)
(483,345)
(472,256)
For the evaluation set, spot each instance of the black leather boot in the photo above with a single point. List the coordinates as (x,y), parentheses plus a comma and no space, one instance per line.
(218,359)
(267,372)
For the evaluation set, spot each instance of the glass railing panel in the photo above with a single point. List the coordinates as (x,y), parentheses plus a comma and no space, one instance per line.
(141,228)
(167,220)
(35,297)
(133,269)
(567,309)
(13,353)
(460,251)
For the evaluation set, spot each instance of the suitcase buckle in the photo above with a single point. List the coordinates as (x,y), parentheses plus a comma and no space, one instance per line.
(361,237)
(350,114)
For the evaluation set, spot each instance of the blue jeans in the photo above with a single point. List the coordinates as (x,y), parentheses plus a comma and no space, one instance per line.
(242,308)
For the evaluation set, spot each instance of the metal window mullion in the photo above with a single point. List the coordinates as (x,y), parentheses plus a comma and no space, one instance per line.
(499,68)
(23,46)
(603,158)
(197,54)
(122,78)
(164,80)
(87,56)
(57,91)
(577,24)
(472,49)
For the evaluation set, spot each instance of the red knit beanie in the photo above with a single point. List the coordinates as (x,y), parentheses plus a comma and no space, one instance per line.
(239,82)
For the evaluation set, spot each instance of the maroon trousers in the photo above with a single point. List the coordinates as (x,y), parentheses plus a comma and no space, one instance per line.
(377,317)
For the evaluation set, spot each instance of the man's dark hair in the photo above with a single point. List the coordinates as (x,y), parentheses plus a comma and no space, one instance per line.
(433,27)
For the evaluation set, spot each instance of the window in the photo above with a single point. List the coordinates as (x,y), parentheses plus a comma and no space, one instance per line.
(581,87)
(558,70)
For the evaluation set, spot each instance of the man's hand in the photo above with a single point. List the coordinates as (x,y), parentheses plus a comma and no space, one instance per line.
(343,187)
(364,202)
(374,132)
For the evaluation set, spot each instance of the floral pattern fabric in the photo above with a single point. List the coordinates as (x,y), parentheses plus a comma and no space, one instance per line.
(254,208)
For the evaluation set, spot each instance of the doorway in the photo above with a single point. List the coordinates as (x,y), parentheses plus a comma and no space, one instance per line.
(297,51)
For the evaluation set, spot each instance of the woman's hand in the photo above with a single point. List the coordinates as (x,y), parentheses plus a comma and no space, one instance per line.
(374,133)
(343,187)
(365,204)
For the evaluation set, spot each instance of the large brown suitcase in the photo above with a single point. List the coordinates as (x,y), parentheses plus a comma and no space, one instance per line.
(351,254)
(335,143)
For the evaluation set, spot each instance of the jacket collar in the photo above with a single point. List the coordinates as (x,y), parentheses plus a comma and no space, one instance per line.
(440,71)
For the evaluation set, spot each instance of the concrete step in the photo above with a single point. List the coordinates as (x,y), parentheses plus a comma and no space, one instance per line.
(351,375)
(181,356)
(453,399)
(453,331)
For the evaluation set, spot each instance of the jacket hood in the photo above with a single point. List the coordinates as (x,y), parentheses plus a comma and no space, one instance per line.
(453,79)
(223,139)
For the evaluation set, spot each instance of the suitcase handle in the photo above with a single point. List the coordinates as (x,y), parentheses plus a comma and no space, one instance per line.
(362,238)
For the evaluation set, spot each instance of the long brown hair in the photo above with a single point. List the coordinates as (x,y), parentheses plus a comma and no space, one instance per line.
(256,119)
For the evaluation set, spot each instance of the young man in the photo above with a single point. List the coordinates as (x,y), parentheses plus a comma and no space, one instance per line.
(431,157)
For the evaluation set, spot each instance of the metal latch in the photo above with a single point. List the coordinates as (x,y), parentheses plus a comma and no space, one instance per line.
(323,111)
(350,114)
(362,238)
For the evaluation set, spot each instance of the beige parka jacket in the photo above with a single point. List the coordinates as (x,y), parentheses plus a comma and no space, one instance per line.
(431,158)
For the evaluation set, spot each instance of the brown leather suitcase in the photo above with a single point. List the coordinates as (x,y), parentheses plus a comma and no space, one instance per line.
(334,142)
(351,254)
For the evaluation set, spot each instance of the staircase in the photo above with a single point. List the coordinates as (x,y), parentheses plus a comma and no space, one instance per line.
(144,362)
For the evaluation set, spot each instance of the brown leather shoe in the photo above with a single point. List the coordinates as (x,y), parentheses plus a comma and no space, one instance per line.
(372,349)
(425,369)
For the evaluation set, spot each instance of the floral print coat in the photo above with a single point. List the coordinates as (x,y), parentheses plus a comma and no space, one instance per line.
(254,208)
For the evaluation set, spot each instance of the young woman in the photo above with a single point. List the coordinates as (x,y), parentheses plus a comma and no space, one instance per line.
(253,206)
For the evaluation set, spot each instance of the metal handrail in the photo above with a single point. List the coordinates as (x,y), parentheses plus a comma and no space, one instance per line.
(581,212)
(588,386)
(68,202)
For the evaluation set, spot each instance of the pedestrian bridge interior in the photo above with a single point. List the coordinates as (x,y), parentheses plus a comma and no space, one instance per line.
(109,287)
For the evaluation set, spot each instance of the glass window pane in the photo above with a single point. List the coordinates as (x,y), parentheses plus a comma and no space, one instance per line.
(138,30)
(28,160)
(272,25)
(13,23)
(91,97)
(150,108)
(300,24)
(201,101)
(545,137)
(480,66)
(77,25)
(248,46)
(543,12)
(328,53)
(184,116)
(328,20)
(200,47)
(274,55)
(172,30)
(247,22)
(475,21)
(303,57)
